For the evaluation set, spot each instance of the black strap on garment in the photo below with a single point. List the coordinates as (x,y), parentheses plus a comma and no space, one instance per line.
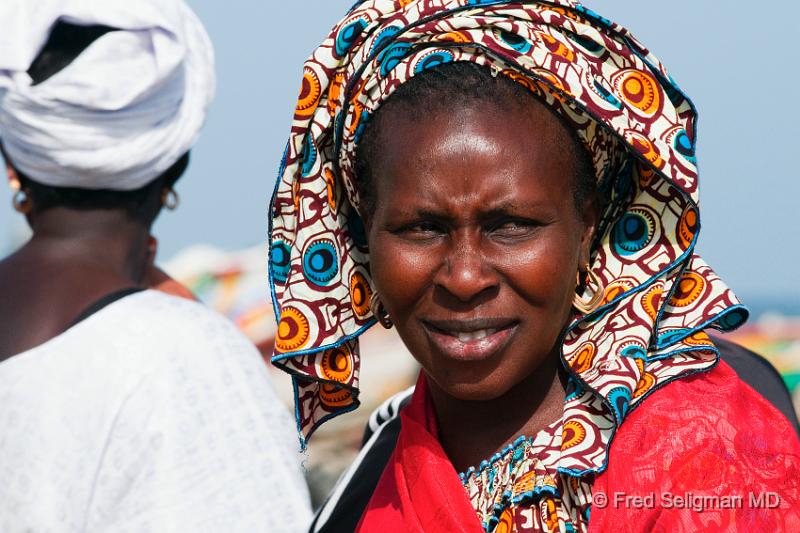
(346,504)
(761,375)
(105,301)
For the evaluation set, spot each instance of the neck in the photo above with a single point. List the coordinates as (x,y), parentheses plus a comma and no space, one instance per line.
(105,240)
(472,431)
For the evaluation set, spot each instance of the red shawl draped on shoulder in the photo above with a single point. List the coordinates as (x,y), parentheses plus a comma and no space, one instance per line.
(706,453)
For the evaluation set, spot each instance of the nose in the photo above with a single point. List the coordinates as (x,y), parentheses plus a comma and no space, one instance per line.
(466,272)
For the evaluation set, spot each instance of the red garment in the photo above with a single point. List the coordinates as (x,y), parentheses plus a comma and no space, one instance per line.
(709,435)
(419,489)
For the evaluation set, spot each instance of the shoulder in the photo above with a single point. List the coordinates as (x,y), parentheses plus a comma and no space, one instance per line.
(709,440)
(343,509)
(713,416)
(205,409)
(184,348)
(712,405)
(759,373)
(159,313)
(154,331)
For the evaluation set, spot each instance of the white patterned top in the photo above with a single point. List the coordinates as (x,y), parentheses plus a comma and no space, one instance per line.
(152,415)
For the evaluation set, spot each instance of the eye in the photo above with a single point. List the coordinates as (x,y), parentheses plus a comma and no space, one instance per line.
(421,230)
(513,228)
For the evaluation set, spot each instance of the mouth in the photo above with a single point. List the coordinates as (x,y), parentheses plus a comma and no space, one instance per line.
(470,340)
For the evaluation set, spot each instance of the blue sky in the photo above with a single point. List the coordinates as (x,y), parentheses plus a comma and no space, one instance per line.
(737,64)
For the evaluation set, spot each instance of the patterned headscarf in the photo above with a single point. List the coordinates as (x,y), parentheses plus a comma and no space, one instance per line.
(640,131)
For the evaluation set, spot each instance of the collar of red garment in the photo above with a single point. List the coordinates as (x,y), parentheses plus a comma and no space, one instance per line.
(419,489)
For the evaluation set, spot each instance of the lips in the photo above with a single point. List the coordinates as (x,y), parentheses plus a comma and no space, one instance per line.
(470,340)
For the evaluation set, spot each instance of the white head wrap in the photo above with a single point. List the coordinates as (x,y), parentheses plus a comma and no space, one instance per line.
(123,111)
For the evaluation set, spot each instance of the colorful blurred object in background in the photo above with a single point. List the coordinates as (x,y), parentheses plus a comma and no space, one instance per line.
(234,284)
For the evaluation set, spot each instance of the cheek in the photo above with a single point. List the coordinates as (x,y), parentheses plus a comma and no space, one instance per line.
(544,273)
(401,273)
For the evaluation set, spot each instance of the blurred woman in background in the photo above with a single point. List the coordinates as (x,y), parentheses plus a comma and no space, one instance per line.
(513,185)
(122,408)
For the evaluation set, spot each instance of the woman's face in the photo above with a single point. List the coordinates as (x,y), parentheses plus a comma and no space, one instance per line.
(475,241)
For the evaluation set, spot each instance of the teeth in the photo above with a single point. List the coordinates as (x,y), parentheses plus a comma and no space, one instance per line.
(474,335)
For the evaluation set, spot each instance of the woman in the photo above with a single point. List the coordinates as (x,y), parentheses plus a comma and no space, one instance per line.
(513,185)
(123,409)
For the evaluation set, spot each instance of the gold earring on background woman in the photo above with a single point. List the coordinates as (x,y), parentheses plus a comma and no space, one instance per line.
(587,306)
(376,306)
(170,199)
(22,202)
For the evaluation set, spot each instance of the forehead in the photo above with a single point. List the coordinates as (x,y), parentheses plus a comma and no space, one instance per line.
(479,153)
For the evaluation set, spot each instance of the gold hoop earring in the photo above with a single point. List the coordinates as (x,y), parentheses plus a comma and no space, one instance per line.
(379,312)
(587,306)
(170,199)
(22,202)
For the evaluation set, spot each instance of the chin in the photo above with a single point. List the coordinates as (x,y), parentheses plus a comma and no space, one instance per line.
(473,385)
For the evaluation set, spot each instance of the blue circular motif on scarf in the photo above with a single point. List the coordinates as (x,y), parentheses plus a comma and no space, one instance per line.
(392,56)
(619,398)
(434,59)
(280,255)
(631,233)
(516,42)
(349,35)
(320,262)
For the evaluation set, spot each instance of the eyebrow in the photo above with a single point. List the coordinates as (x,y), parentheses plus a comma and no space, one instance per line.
(501,208)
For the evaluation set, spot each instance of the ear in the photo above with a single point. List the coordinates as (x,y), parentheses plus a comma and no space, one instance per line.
(13,177)
(590,216)
(11,172)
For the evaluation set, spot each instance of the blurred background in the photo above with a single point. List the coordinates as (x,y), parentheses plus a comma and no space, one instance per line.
(737,64)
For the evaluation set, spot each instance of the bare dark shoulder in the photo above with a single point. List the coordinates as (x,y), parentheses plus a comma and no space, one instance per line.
(41,296)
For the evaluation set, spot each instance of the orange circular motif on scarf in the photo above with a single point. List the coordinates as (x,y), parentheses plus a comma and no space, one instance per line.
(687,227)
(689,289)
(568,13)
(646,175)
(293,330)
(506,523)
(639,90)
(522,79)
(296,194)
(360,294)
(358,108)
(331,184)
(646,148)
(454,37)
(573,434)
(614,289)
(552,515)
(699,338)
(334,92)
(334,395)
(583,360)
(651,301)
(310,91)
(646,382)
(556,47)
(526,483)
(337,365)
